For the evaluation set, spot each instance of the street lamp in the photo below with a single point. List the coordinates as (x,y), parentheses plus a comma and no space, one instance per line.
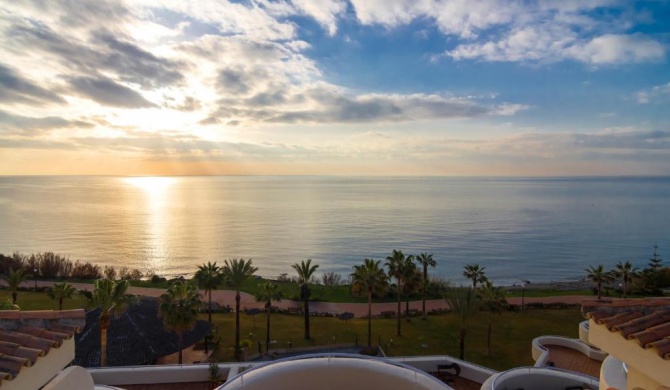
(523,291)
(35,276)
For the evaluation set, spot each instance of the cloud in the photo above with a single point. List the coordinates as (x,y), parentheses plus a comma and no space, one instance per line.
(33,125)
(555,43)
(17,89)
(615,49)
(325,12)
(109,93)
(653,94)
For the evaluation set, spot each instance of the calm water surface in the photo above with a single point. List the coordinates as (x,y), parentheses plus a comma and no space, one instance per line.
(536,229)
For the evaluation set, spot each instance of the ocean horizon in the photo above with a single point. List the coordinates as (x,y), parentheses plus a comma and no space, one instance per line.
(520,228)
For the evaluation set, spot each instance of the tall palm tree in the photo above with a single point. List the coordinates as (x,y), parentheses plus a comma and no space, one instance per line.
(412,281)
(426,260)
(14,279)
(237,272)
(371,279)
(399,267)
(178,308)
(268,293)
(599,276)
(493,299)
(61,291)
(626,272)
(475,273)
(112,299)
(465,304)
(209,278)
(305,272)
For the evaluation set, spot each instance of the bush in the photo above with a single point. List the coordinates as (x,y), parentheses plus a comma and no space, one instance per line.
(331,278)
(110,273)
(86,271)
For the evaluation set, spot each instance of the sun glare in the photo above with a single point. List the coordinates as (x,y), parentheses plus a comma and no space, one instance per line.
(154,185)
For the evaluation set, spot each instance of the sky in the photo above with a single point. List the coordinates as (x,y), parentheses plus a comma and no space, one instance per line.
(335,87)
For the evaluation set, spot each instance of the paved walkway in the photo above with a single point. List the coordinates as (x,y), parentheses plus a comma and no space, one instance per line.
(227,297)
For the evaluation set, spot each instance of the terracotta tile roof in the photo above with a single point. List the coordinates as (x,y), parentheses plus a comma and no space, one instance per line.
(26,336)
(645,320)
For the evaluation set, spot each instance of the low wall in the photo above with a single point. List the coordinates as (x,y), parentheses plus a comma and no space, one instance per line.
(139,375)
(538,378)
(541,353)
(469,370)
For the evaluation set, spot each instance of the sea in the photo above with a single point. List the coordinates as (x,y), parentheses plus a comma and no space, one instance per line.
(535,229)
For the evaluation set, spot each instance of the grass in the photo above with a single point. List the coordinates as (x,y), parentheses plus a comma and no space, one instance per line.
(513,333)
(438,335)
(28,300)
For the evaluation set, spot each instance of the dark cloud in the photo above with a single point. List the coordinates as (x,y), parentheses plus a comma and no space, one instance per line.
(232,81)
(15,88)
(32,126)
(109,93)
(133,64)
(103,52)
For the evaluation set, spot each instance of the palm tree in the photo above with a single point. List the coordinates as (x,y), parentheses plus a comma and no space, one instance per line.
(475,273)
(61,291)
(371,279)
(493,298)
(599,276)
(426,260)
(111,298)
(399,267)
(209,278)
(305,272)
(269,292)
(178,308)
(236,272)
(14,279)
(412,281)
(463,301)
(626,272)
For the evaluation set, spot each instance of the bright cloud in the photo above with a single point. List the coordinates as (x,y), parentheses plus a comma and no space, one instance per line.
(245,81)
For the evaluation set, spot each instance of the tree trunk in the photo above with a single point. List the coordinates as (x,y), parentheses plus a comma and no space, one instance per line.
(209,309)
(488,335)
(238,353)
(462,345)
(423,305)
(60,303)
(399,309)
(14,297)
(104,324)
(600,287)
(181,341)
(407,307)
(305,293)
(625,285)
(267,332)
(423,290)
(369,318)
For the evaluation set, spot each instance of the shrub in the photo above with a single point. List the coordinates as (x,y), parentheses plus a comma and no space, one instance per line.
(331,278)
(110,273)
(86,271)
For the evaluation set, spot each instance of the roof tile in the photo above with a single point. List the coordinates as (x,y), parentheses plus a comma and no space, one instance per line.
(652,334)
(645,320)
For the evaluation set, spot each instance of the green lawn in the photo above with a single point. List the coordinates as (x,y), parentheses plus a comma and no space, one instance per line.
(511,346)
(512,331)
